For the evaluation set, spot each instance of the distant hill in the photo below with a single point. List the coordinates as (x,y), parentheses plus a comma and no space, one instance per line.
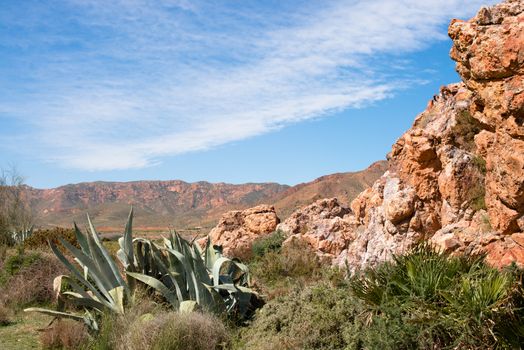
(345,186)
(162,204)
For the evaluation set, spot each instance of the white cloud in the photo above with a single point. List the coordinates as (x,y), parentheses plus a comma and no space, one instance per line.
(136,81)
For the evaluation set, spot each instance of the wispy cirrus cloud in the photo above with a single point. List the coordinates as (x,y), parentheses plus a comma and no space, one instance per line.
(115,85)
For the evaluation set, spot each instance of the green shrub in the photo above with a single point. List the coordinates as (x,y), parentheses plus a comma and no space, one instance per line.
(181,331)
(422,300)
(465,129)
(16,262)
(477,195)
(455,302)
(114,329)
(480,163)
(321,316)
(271,243)
(276,272)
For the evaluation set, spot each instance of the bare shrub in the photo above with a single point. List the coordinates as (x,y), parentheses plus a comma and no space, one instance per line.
(64,334)
(16,213)
(32,284)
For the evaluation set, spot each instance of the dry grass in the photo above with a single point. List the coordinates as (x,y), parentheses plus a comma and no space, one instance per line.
(5,315)
(115,329)
(3,255)
(33,284)
(64,334)
(147,326)
(178,331)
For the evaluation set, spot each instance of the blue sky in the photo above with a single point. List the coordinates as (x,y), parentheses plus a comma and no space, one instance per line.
(222,91)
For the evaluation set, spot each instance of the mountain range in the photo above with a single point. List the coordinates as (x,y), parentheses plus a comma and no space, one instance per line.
(160,205)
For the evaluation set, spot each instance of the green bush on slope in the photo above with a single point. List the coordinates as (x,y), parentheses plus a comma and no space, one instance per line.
(278,272)
(267,244)
(423,300)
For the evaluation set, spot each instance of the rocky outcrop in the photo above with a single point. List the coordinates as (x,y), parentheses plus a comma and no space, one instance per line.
(237,229)
(456,177)
(323,225)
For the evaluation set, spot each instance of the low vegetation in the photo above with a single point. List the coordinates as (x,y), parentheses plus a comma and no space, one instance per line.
(278,271)
(465,129)
(65,334)
(422,300)
(26,278)
(268,244)
(5,315)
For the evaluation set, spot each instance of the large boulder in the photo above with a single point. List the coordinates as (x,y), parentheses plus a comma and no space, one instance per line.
(237,229)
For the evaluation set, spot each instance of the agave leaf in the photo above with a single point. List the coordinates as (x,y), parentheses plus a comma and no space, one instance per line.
(211,254)
(217,266)
(171,276)
(82,240)
(102,281)
(108,260)
(128,237)
(230,287)
(77,273)
(178,271)
(87,301)
(157,285)
(121,255)
(57,285)
(55,313)
(118,297)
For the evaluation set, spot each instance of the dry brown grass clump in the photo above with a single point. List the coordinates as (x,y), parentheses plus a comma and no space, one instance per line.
(179,331)
(32,284)
(5,315)
(64,334)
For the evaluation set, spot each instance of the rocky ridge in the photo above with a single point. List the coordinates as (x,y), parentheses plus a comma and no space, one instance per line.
(456,178)
(161,204)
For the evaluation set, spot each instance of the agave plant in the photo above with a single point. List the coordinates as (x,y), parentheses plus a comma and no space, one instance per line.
(96,283)
(184,274)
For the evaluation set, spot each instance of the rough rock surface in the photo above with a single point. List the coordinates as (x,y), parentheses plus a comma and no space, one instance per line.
(456,177)
(237,229)
(323,225)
